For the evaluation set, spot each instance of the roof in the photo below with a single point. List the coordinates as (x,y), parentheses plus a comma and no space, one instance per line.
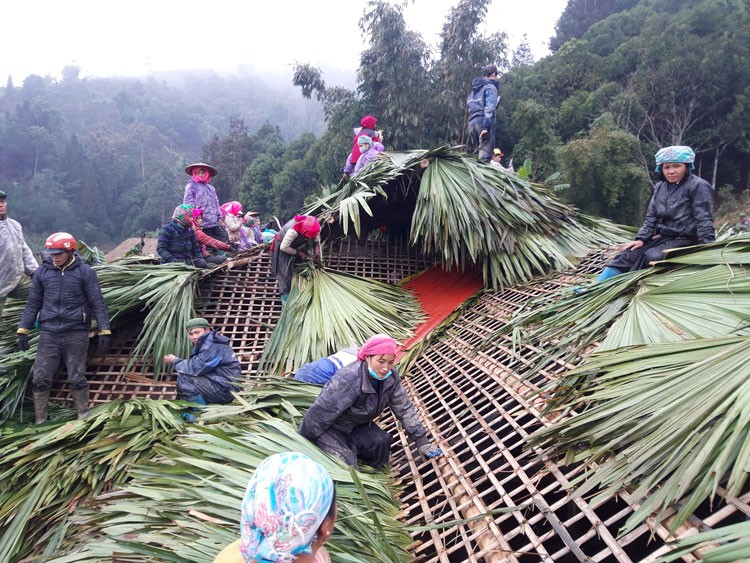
(128,244)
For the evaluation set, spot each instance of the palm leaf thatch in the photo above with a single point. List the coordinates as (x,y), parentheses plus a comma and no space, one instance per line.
(733,540)
(193,491)
(157,483)
(329,310)
(469,213)
(671,421)
(167,292)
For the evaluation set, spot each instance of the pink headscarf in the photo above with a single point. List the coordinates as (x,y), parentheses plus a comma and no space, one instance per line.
(307,226)
(233,207)
(376,345)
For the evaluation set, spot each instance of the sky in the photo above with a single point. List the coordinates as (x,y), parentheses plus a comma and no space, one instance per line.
(138,37)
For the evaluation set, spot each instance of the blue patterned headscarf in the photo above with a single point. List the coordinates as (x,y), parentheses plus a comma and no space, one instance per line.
(286,501)
(681,154)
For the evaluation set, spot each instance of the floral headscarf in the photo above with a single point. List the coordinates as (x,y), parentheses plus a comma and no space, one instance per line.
(286,501)
(680,154)
(183,214)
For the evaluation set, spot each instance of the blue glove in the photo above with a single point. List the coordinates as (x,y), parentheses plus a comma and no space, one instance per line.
(428,451)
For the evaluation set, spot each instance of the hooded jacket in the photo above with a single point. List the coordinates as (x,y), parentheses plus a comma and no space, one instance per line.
(483,100)
(65,298)
(15,256)
(177,243)
(349,400)
(681,210)
(212,358)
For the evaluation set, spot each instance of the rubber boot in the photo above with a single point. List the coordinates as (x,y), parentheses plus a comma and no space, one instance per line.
(81,402)
(41,400)
(190,413)
(607,273)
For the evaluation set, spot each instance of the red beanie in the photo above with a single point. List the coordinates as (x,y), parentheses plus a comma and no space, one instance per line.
(369,122)
(376,345)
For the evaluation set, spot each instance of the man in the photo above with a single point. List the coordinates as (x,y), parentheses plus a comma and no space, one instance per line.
(64,295)
(211,372)
(482,103)
(322,370)
(15,256)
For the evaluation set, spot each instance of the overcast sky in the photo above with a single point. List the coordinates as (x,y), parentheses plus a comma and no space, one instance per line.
(135,37)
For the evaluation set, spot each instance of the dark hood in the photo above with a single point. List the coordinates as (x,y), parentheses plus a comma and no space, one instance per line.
(480,82)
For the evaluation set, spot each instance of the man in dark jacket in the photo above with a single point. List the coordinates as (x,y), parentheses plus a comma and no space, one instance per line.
(177,242)
(340,421)
(482,103)
(64,295)
(211,372)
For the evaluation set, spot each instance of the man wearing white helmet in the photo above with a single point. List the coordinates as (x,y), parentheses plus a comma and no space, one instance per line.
(15,256)
(64,296)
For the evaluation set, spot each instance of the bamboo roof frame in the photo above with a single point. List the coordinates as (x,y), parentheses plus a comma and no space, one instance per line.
(480,404)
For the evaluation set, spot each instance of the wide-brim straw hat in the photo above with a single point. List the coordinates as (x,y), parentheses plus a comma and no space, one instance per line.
(211,170)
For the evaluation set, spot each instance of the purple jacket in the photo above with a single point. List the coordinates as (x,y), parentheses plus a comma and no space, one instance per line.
(203,196)
(368,157)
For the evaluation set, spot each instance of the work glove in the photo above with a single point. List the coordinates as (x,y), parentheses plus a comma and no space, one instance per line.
(317,254)
(103,346)
(23,342)
(302,255)
(428,451)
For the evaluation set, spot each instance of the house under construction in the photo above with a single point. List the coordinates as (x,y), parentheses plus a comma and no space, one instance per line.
(479,402)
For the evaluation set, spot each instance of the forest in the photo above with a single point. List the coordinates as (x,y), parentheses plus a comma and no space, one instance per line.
(104,158)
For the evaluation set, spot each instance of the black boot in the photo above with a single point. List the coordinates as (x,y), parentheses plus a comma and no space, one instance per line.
(41,399)
(81,402)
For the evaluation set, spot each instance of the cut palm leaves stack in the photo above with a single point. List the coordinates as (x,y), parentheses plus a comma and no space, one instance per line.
(473,214)
(329,310)
(193,490)
(670,422)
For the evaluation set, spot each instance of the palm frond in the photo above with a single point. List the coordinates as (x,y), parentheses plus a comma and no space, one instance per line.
(329,310)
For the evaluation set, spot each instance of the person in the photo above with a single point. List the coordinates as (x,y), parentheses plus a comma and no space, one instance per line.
(679,214)
(288,513)
(340,421)
(64,295)
(743,225)
(199,193)
(15,256)
(288,245)
(212,372)
(368,123)
(250,232)
(482,104)
(322,370)
(497,160)
(205,242)
(177,242)
(370,152)
(232,220)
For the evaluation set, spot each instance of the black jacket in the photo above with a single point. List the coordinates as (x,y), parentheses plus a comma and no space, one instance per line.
(65,298)
(349,400)
(681,210)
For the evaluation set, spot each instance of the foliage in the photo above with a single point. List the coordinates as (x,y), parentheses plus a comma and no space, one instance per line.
(668,421)
(604,168)
(580,15)
(328,311)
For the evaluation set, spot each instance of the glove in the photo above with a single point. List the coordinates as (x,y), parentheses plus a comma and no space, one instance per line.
(428,451)
(317,254)
(23,342)
(104,340)
(302,255)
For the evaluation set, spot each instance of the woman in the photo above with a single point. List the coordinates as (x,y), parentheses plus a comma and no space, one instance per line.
(177,242)
(288,513)
(679,214)
(201,194)
(288,245)
(232,220)
(207,242)
(340,421)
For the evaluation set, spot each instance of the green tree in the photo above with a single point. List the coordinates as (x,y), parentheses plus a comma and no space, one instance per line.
(580,15)
(538,140)
(605,173)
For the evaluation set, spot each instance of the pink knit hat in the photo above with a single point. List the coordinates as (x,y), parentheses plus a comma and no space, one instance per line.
(376,345)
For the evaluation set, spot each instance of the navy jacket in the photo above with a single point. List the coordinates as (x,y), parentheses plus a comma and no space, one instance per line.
(483,100)
(177,243)
(65,298)
(349,400)
(681,210)
(213,360)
